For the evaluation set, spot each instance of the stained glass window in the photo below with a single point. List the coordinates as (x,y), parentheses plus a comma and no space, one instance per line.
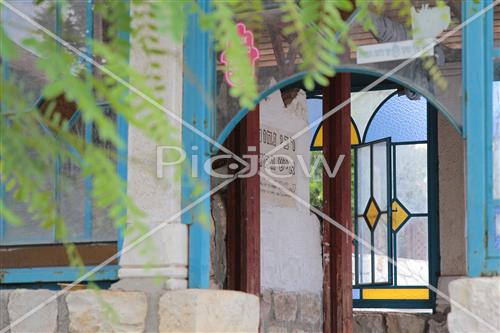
(400,173)
(399,118)
(389,139)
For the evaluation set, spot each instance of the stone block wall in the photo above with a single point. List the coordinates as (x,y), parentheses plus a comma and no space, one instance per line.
(77,311)
(399,322)
(83,311)
(290,312)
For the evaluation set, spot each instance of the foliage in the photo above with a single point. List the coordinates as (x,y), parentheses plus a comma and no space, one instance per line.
(316,183)
(321,35)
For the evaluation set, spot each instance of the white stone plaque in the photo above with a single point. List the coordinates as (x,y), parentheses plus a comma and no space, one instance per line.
(280,166)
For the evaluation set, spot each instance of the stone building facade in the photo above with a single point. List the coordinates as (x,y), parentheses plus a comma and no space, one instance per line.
(156,292)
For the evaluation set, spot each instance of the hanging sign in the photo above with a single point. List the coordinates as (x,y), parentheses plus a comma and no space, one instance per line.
(393,51)
(247,39)
(427,24)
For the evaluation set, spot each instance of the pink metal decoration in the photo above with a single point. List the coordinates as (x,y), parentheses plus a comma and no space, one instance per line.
(253,53)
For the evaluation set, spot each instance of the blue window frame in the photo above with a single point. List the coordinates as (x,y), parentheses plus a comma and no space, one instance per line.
(76,25)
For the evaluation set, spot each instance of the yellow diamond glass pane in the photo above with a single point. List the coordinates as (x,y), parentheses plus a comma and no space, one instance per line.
(372,213)
(399,215)
(318,138)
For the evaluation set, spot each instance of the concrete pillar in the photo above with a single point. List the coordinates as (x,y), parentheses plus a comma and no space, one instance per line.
(451,150)
(165,253)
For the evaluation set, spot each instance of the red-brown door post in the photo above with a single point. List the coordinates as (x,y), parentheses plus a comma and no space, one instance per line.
(337,202)
(243,218)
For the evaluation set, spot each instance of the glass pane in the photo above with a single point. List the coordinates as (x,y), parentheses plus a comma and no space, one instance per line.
(23,67)
(411,177)
(74,23)
(71,190)
(401,119)
(364,253)
(97,227)
(363,104)
(363,178)
(381,246)
(496,139)
(102,226)
(412,253)
(380,174)
(314,111)
(30,232)
(72,200)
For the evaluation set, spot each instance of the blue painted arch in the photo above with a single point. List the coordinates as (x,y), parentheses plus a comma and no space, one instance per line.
(340,69)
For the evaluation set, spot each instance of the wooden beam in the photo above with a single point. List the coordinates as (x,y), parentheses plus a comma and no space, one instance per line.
(337,202)
(243,202)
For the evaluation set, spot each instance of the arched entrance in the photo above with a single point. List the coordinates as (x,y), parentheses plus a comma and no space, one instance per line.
(246,189)
(367,77)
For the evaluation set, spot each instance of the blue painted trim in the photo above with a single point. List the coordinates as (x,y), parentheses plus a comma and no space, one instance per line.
(58,26)
(477,51)
(5,77)
(433,249)
(200,59)
(496,53)
(473,64)
(340,69)
(122,163)
(392,304)
(122,168)
(55,274)
(51,285)
(87,203)
(492,251)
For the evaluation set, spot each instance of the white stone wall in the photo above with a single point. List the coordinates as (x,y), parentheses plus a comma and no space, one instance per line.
(290,234)
(291,259)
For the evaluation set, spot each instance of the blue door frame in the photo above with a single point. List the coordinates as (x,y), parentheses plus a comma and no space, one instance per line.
(199,65)
(477,69)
